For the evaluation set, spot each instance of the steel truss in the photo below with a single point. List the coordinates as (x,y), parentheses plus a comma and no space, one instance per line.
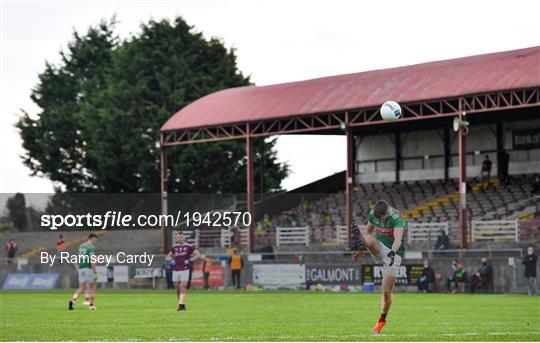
(498,101)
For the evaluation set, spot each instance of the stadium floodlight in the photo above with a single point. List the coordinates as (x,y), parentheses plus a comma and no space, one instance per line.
(461,124)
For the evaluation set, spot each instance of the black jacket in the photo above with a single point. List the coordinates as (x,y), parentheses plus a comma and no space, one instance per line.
(443,242)
(486,272)
(529,262)
(429,274)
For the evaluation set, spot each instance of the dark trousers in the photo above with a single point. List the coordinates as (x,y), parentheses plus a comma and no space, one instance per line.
(503,174)
(423,285)
(11,256)
(189,280)
(236,277)
(206,278)
(168,275)
(477,282)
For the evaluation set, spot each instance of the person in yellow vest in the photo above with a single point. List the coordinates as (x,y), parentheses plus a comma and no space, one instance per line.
(236,263)
(206,267)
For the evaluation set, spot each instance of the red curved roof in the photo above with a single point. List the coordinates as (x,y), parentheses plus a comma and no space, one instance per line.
(434,80)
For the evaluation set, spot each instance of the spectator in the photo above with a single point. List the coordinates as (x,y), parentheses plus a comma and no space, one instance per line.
(451,276)
(236,238)
(427,277)
(458,274)
(536,186)
(206,268)
(529,262)
(110,274)
(504,160)
(486,172)
(10,248)
(168,266)
(461,276)
(484,276)
(443,242)
(236,263)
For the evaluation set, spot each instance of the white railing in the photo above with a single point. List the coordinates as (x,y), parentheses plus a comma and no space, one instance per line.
(228,234)
(226,237)
(208,238)
(244,236)
(424,231)
(292,235)
(490,230)
(342,234)
(212,237)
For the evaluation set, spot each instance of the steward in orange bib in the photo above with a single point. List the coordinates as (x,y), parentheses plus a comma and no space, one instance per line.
(236,263)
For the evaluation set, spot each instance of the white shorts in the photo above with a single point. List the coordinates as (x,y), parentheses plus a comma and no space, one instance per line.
(180,275)
(86,275)
(385,260)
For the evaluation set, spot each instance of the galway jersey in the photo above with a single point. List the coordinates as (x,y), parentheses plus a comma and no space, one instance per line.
(181,254)
(86,250)
(384,230)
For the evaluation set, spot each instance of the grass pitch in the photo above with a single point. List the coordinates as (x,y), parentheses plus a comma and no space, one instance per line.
(257,316)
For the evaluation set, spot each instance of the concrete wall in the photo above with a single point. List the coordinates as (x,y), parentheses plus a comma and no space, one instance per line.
(425,144)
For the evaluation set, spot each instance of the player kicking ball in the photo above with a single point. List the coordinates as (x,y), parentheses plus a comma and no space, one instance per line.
(383,239)
(87,273)
(183,255)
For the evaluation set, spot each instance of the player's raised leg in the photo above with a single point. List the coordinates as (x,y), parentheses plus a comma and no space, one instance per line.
(363,241)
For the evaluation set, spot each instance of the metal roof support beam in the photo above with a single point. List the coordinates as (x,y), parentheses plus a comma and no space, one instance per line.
(462,153)
(250,187)
(312,123)
(164,176)
(446,147)
(349,181)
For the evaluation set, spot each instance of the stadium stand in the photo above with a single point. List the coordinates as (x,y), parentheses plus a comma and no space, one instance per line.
(431,201)
(422,202)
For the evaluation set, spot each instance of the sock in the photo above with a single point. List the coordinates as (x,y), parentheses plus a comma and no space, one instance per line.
(383,316)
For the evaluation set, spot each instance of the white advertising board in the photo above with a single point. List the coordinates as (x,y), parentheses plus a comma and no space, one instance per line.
(279,274)
(120,274)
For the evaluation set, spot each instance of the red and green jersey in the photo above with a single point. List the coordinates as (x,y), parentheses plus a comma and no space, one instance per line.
(86,250)
(384,230)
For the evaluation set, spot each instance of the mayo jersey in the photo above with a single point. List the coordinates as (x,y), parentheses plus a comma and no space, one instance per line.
(384,230)
(86,250)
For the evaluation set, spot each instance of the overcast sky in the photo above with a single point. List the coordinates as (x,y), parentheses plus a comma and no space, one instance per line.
(276,41)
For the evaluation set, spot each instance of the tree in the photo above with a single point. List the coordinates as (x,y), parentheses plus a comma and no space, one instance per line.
(103,106)
(16,206)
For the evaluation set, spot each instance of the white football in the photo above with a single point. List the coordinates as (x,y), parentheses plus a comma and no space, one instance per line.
(390,111)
